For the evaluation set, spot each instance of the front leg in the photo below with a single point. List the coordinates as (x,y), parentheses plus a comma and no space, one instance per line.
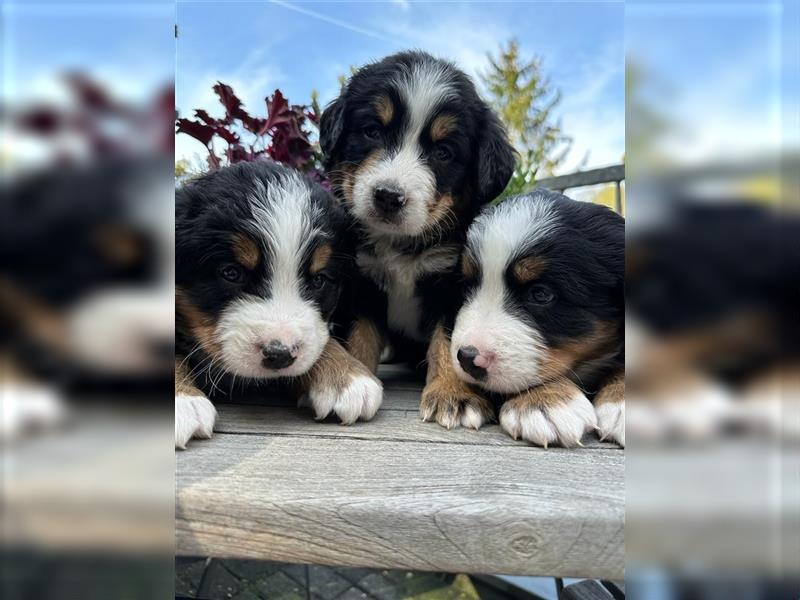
(555,412)
(609,406)
(446,398)
(194,413)
(366,343)
(341,384)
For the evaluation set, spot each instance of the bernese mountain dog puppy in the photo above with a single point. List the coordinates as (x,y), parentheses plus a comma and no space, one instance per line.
(413,154)
(542,324)
(261,256)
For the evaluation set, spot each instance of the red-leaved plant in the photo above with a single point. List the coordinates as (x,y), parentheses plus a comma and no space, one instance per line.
(102,125)
(282,136)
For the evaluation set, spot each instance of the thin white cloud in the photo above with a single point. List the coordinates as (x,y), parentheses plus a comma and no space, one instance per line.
(331,20)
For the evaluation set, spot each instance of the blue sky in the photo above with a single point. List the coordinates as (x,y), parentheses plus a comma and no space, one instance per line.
(299,46)
(715,71)
(129,45)
(716,68)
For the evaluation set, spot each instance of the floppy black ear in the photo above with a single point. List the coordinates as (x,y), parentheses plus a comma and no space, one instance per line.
(496,158)
(330,128)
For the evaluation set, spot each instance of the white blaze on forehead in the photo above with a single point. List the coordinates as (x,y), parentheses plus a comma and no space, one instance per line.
(423,87)
(494,240)
(283,217)
(499,235)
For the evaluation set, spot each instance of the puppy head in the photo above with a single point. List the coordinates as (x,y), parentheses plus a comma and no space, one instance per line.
(258,269)
(543,293)
(412,148)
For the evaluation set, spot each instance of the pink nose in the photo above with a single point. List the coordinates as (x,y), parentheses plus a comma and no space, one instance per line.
(473,361)
(484,360)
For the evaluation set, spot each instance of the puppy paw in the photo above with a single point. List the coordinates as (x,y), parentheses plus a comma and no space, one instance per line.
(544,417)
(611,422)
(194,418)
(358,397)
(453,405)
(28,407)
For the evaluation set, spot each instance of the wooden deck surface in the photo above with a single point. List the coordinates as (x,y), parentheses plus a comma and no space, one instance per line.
(398,493)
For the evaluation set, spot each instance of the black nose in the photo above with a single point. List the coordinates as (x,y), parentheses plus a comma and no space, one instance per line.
(389,200)
(276,355)
(466,358)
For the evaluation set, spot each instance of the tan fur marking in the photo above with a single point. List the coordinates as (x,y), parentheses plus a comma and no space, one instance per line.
(442,126)
(440,209)
(366,343)
(385,109)
(320,258)
(559,361)
(335,369)
(246,251)
(201,326)
(35,318)
(118,244)
(344,175)
(183,381)
(613,390)
(529,268)
(553,393)
(468,267)
(446,397)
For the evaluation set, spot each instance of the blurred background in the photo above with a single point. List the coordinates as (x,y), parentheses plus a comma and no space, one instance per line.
(711,145)
(86,299)
(713,274)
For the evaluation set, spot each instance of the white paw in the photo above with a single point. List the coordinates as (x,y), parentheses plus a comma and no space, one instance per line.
(359,399)
(472,418)
(564,424)
(611,422)
(28,406)
(194,418)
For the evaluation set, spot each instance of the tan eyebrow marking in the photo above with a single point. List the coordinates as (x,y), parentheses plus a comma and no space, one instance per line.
(246,251)
(529,268)
(442,126)
(320,258)
(385,109)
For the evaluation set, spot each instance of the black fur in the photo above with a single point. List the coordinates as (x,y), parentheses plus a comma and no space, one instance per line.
(583,255)
(209,212)
(473,164)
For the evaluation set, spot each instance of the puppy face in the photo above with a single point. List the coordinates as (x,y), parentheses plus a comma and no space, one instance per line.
(258,270)
(412,148)
(544,292)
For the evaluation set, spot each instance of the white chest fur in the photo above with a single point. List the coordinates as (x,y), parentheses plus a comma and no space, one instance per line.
(397,274)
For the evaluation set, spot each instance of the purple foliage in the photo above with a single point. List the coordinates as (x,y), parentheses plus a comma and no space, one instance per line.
(283,136)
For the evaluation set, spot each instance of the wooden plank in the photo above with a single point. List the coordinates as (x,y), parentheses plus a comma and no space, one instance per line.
(438,507)
(584,178)
(390,424)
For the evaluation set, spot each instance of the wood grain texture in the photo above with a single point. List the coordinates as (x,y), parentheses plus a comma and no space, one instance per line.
(398,493)
(390,424)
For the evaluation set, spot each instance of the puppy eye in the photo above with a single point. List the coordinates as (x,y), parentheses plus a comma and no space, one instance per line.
(442,153)
(232,273)
(541,294)
(319,281)
(372,132)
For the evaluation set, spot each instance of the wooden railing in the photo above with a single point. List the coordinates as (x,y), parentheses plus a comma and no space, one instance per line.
(614,174)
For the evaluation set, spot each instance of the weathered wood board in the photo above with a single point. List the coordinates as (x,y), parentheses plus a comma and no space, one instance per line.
(398,493)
